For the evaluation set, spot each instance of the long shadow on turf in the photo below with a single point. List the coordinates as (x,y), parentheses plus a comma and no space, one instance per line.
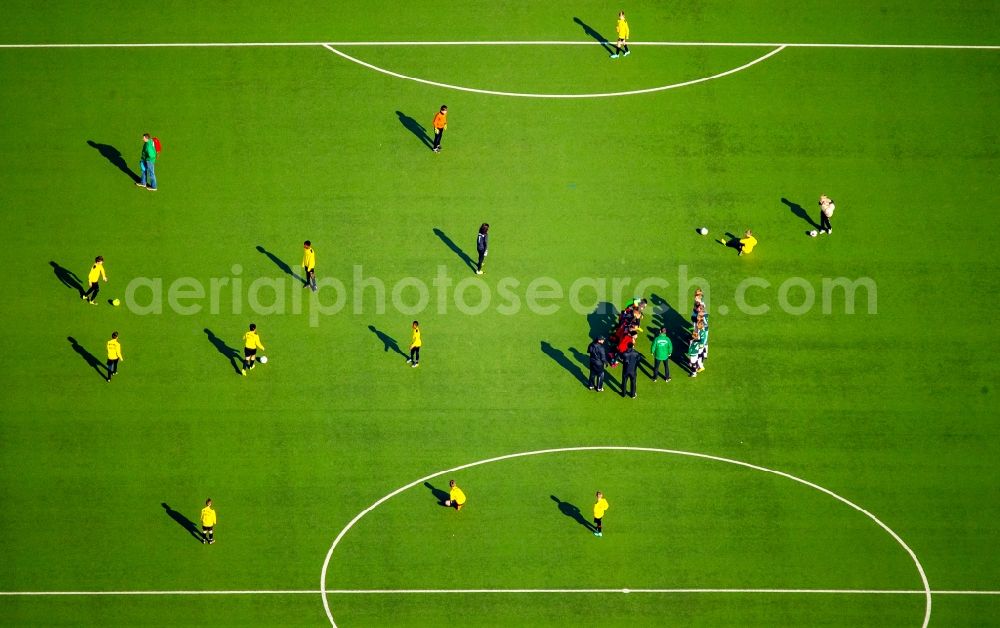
(89,358)
(414,127)
(455,248)
(601,39)
(280,263)
(439,495)
(678,330)
(563,361)
(800,211)
(183,522)
(113,155)
(573,512)
(388,341)
(602,320)
(67,277)
(228,352)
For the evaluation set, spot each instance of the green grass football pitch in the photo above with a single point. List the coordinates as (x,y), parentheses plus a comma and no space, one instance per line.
(880,423)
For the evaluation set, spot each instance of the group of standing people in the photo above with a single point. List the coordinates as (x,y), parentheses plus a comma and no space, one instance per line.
(697,351)
(622,350)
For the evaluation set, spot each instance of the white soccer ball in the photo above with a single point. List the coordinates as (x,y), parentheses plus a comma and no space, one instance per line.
(703,231)
(262,359)
(447,502)
(813,233)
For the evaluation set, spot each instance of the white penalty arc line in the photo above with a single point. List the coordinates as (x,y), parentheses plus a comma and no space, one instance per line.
(489,591)
(344,44)
(530,95)
(928,603)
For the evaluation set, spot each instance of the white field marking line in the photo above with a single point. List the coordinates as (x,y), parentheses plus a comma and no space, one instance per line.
(478,591)
(913,556)
(529,95)
(343,44)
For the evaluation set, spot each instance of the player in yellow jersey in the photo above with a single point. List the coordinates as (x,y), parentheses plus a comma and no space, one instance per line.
(600,507)
(251,343)
(208,521)
(309,265)
(93,287)
(622,29)
(456,498)
(415,343)
(114,355)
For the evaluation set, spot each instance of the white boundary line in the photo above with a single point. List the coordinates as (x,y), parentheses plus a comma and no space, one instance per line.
(529,95)
(486,591)
(479,591)
(920,569)
(344,44)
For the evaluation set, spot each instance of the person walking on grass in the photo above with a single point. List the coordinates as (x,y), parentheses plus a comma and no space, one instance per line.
(114,355)
(630,367)
(208,521)
(622,29)
(415,344)
(598,359)
(440,125)
(456,497)
(826,208)
(482,245)
(309,265)
(661,350)
(251,343)
(93,280)
(600,507)
(147,163)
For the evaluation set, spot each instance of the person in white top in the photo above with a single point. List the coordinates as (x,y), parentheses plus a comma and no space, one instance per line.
(826,208)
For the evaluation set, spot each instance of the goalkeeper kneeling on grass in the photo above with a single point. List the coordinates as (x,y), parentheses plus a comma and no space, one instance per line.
(456,498)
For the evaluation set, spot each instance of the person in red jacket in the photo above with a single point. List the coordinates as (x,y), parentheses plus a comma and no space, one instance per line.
(440,124)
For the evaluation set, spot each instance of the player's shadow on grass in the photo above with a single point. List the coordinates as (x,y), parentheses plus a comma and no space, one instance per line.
(455,248)
(601,39)
(89,358)
(562,360)
(228,352)
(678,330)
(573,512)
(439,495)
(67,277)
(280,263)
(800,211)
(113,155)
(183,522)
(388,341)
(602,320)
(414,127)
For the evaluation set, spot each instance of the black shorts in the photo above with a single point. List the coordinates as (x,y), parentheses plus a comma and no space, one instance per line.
(207,528)
(597,521)
(249,353)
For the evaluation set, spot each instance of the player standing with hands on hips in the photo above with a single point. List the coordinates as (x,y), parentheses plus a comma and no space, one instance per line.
(208,521)
(600,507)
(622,28)
(482,245)
(440,125)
